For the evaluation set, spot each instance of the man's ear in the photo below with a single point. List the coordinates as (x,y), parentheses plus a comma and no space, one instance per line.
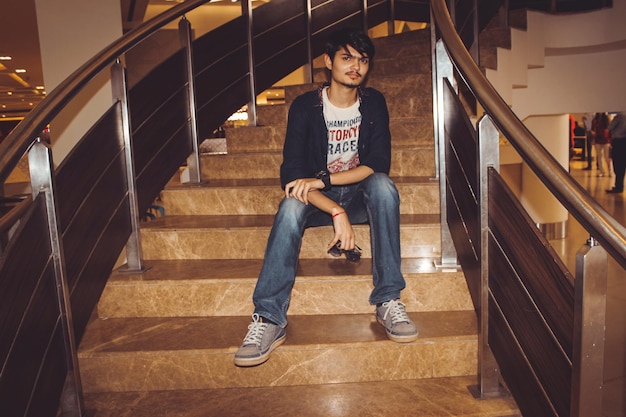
(328,61)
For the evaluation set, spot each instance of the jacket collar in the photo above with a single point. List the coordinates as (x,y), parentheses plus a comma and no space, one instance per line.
(361,92)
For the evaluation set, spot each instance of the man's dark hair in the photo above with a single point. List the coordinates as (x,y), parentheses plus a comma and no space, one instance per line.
(353,37)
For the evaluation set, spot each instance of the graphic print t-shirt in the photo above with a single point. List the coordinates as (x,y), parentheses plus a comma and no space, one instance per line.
(343,126)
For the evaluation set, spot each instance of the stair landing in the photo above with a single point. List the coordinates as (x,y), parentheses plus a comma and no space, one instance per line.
(440,397)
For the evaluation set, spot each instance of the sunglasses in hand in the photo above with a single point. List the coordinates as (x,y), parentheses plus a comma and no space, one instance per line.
(353,255)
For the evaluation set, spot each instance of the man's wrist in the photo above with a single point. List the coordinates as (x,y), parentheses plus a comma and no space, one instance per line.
(324,176)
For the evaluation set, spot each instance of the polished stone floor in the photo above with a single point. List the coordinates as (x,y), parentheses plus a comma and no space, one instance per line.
(614,404)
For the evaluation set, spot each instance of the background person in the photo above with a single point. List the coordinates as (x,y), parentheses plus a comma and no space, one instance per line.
(617,127)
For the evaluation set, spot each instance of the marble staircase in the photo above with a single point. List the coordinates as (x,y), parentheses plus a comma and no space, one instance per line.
(170,333)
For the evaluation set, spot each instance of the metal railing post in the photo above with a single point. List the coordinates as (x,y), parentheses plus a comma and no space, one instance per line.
(475,48)
(443,67)
(194,167)
(364,15)
(134,262)
(246,10)
(433,58)
(488,157)
(589,329)
(309,76)
(391,24)
(42,181)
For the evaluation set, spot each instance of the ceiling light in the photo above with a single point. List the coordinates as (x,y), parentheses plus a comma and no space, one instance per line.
(39,87)
(5,58)
(20,70)
(10,93)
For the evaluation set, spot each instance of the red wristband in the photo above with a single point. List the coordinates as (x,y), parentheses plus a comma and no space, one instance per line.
(337,214)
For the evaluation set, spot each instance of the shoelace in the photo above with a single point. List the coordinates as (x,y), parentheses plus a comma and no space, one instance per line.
(255,331)
(397,311)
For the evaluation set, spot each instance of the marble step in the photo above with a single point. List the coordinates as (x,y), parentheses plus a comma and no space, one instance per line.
(149,354)
(405,132)
(418,397)
(403,64)
(405,162)
(224,197)
(415,42)
(224,287)
(245,237)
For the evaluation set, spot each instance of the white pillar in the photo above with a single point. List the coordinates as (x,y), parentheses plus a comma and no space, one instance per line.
(70,33)
(543,207)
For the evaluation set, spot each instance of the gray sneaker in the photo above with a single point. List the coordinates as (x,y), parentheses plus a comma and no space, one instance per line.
(261,340)
(399,327)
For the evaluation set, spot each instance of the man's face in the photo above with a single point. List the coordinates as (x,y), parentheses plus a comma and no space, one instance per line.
(348,67)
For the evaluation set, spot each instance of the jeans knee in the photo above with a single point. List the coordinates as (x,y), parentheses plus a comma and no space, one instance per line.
(380,187)
(290,210)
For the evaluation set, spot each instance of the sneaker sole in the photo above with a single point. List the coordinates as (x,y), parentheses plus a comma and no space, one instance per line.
(258,360)
(396,338)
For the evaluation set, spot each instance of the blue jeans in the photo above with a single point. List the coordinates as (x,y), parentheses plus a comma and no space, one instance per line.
(374,200)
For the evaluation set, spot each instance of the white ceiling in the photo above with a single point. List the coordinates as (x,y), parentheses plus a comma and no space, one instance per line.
(20,40)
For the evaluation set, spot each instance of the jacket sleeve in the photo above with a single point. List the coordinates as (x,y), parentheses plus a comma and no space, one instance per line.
(295,162)
(376,151)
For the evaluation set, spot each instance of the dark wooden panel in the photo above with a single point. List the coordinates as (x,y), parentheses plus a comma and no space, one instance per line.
(92,279)
(218,78)
(162,125)
(543,353)
(467,254)
(213,46)
(160,169)
(560,5)
(544,276)
(335,14)
(85,228)
(47,393)
(21,271)
(213,113)
(466,199)
(487,9)
(413,11)
(156,88)
(377,13)
(20,372)
(86,163)
(266,72)
(278,39)
(460,132)
(276,13)
(520,379)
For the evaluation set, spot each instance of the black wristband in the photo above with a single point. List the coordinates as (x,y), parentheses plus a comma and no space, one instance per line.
(325,177)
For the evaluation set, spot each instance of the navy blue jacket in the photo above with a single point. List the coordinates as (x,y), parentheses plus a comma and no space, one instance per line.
(306,141)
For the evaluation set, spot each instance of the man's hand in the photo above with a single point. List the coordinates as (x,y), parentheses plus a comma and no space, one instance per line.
(300,188)
(306,190)
(343,231)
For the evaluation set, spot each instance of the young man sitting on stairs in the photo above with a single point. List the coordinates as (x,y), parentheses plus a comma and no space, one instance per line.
(335,170)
